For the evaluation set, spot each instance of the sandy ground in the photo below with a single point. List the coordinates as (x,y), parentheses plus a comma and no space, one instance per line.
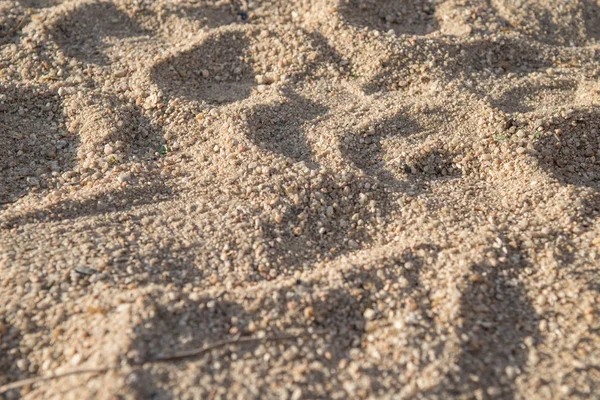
(415,182)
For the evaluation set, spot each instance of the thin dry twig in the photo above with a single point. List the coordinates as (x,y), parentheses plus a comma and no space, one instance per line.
(171,357)
(239,340)
(37,379)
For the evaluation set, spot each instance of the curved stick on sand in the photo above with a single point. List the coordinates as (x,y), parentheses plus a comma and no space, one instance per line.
(172,357)
(31,381)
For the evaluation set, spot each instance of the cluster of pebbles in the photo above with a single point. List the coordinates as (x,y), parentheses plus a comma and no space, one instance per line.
(409,189)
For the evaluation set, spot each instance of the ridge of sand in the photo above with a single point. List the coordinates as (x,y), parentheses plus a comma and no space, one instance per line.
(420,179)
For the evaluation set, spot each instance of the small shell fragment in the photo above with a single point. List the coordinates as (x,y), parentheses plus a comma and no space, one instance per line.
(85,270)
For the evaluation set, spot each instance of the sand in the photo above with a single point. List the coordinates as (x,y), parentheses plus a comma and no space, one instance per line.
(408,191)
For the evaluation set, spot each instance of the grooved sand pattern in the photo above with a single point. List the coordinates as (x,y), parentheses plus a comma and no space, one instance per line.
(420,179)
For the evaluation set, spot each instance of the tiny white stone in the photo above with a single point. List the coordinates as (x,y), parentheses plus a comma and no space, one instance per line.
(369,314)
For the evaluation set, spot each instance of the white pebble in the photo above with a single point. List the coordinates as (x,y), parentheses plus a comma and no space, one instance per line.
(369,314)
(109,149)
